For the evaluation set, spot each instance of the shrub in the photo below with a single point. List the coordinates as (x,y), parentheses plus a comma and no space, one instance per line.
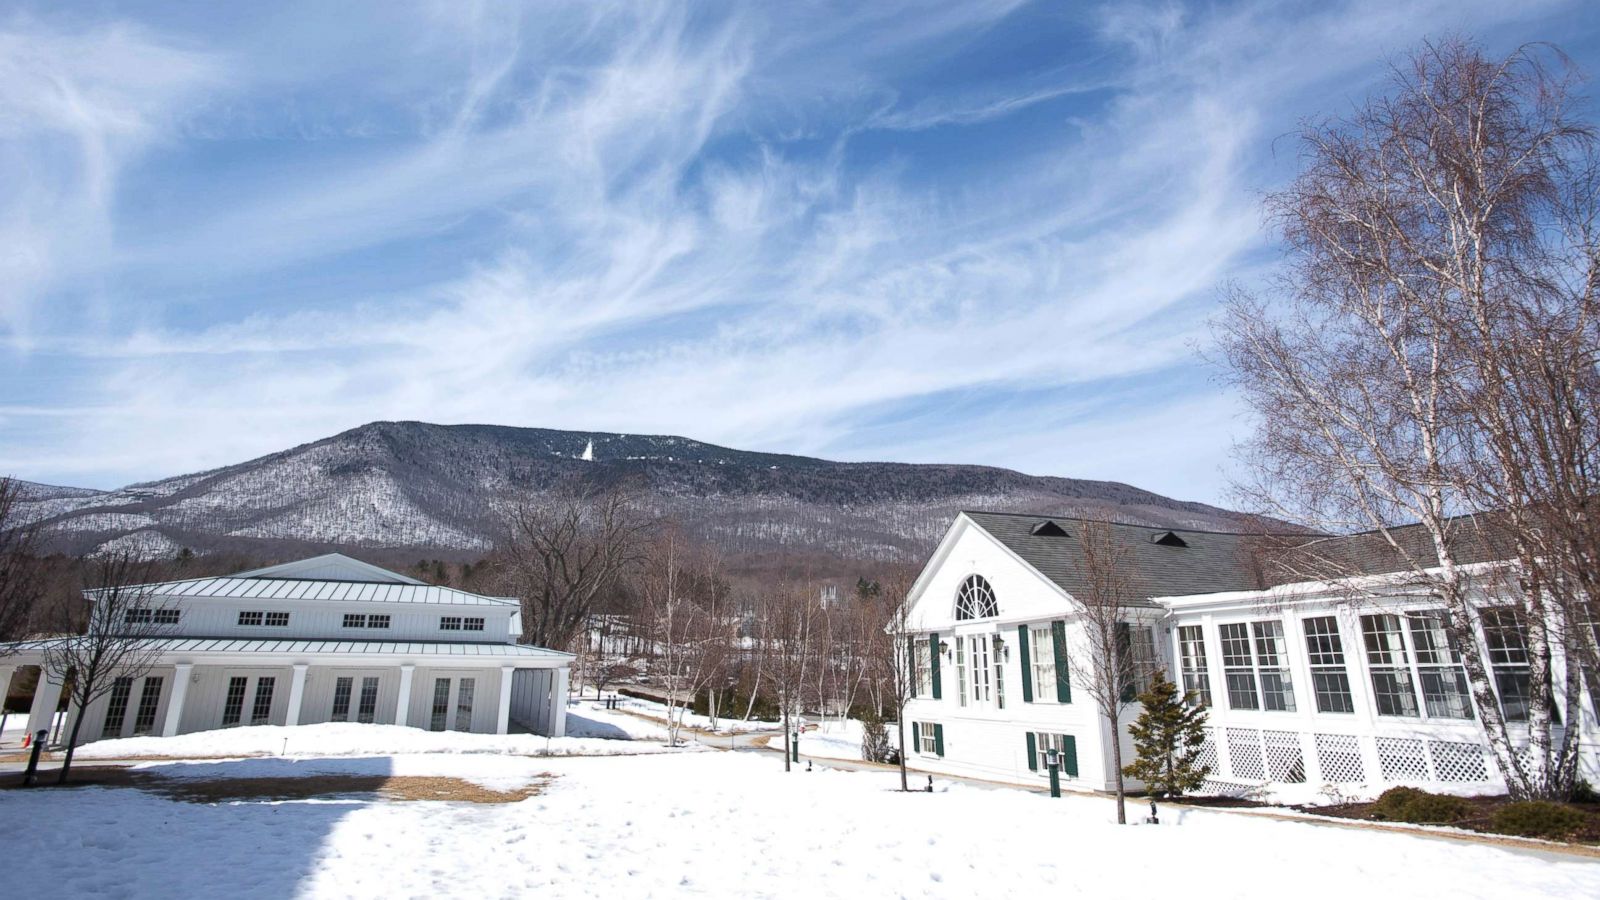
(1403,804)
(1537,818)
(1583,792)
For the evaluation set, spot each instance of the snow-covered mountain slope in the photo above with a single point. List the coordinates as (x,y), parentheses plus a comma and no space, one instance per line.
(445,488)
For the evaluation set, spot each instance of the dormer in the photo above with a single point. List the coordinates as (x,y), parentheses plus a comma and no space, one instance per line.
(1168,539)
(1047,528)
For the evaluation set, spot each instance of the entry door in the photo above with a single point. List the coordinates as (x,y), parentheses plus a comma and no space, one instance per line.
(132,706)
(248,700)
(453,699)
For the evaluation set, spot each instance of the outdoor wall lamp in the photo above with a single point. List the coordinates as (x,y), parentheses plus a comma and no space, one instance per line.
(1001,648)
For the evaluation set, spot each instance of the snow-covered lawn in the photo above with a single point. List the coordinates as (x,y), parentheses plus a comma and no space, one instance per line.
(713,824)
(724,724)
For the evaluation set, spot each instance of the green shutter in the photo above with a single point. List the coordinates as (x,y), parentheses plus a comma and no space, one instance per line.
(911,663)
(1069,755)
(916,737)
(938,739)
(1033,754)
(1027,665)
(1058,637)
(933,656)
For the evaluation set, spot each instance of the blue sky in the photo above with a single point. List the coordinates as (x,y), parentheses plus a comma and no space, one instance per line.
(984,232)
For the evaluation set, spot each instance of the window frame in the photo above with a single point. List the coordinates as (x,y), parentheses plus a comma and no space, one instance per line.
(1328,664)
(1192,667)
(251,618)
(450,623)
(976,599)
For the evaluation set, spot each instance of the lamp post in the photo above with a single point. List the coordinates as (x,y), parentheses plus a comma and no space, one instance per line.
(1052,762)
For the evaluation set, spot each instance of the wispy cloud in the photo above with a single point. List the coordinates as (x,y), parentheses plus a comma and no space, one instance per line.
(899,233)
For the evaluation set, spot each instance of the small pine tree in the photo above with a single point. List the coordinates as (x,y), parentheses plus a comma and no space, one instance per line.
(1167,738)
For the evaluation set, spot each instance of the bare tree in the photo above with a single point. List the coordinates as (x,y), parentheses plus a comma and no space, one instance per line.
(1433,355)
(120,644)
(687,606)
(789,622)
(564,550)
(1117,659)
(21,570)
(891,656)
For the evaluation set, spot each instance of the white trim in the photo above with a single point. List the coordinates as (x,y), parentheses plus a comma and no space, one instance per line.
(402,712)
(297,694)
(181,673)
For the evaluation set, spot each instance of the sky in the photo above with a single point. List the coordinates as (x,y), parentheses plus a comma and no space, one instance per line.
(975,232)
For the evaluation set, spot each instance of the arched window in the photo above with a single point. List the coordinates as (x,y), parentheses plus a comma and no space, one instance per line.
(975,600)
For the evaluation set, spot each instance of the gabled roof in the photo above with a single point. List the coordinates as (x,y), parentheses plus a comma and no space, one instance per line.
(330,567)
(1207,562)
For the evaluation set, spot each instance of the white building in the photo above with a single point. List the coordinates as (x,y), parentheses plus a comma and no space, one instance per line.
(1304,684)
(327,639)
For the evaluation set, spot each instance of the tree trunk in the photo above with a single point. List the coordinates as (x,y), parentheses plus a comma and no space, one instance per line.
(787,735)
(1116,762)
(900,726)
(72,744)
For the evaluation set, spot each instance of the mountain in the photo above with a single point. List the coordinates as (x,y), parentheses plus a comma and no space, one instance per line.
(412,486)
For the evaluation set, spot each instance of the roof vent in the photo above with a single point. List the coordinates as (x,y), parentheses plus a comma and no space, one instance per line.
(1168,539)
(1047,528)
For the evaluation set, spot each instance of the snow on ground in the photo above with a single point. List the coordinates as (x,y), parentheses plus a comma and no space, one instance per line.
(721,825)
(833,739)
(351,739)
(725,725)
(590,718)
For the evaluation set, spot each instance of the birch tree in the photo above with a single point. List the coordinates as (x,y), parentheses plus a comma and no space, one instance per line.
(1430,361)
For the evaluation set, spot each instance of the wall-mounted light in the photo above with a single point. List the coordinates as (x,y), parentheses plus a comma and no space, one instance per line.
(1001,649)
(944,648)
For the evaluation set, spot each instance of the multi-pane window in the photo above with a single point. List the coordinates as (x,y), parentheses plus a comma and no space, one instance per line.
(117,708)
(144,721)
(1507,638)
(144,615)
(1392,689)
(341,699)
(975,599)
(449,623)
(1192,663)
(1444,682)
(1330,682)
(927,739)
(355,620)
(1237,667)
(464,690)
(368,710)
(378,621)
(999,677)
(961,671)
(441,704)
(270,619)
(1043,660)
(1272,657)
(249,617)
(472,623)
(277,619)
(1043,743)
(1137,645)
(361,620)
(979,647)
(261,709)
(923,652)
(233,706)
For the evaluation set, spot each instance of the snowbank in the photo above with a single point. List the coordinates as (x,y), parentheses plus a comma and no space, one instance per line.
(724,725)
(351,739)
(728,825)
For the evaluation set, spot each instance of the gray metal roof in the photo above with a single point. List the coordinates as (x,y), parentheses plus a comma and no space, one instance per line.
(296,589)
(1212,561)
(199,645)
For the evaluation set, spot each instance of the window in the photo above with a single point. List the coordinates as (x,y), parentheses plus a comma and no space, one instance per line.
(1066,753)
(464,691)
(378,621)
(978,644)
(277,619)
(1444,682)
(927,738)
(924,655)
(999,675)
(441,704)
(250,618)
(233,707)
(472,624)
(355,620)
(1272,656)
(1137,646)
(1043,660)
(1236,669)
(1507,638)
(449,623)
(149,698)
(361,620)
(1192,662)
(261,709)
(144,615)
(961,670)
(1392,689)
(975,599)
(341,699)
(117,708)
(368,710)
(1330,683)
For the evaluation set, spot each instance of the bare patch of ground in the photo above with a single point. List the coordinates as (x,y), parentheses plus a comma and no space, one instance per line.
(303,787)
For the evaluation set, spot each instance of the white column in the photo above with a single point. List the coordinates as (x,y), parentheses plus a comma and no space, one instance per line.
(558,702)
(502,723)
(5,684)
(45,697)
(180,690)
(297,693)
(403,705)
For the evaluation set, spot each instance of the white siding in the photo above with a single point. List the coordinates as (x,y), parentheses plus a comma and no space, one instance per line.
(324,620)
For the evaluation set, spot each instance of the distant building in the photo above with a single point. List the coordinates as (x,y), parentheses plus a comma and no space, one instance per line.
(1303,684)
(327,639)
(829,597)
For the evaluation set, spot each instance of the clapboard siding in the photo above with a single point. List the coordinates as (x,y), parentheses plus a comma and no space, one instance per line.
(485,704)
(530,699)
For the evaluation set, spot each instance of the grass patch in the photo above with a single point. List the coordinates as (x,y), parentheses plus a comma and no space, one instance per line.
(403,788)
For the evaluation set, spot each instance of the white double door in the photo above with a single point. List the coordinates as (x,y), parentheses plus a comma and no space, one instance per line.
(453,700)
